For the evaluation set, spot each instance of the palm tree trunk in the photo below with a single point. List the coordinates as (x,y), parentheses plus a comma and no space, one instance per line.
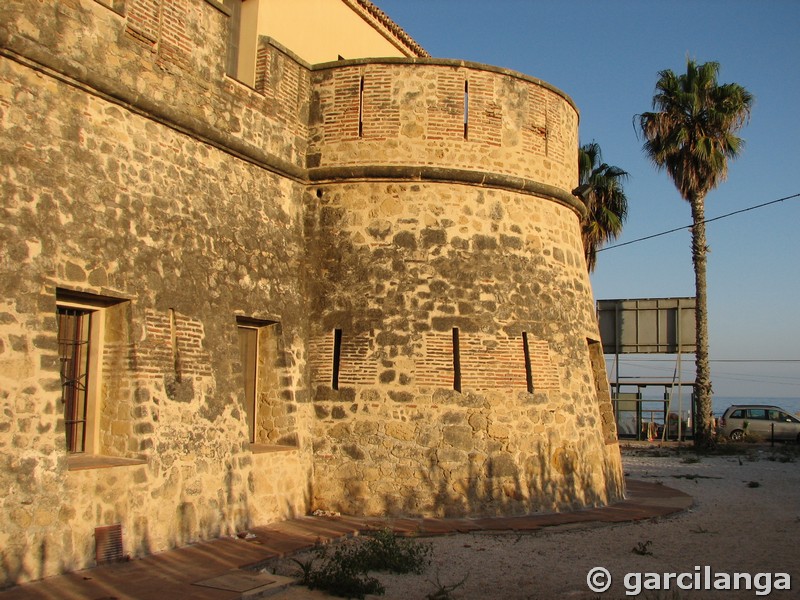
(703,427)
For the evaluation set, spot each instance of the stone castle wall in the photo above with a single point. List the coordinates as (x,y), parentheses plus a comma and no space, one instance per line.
(124,179)
(444,114)
(456,291)
(137,178)
(409,266)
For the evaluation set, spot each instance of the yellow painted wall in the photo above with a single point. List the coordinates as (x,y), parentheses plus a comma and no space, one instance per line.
(316,30)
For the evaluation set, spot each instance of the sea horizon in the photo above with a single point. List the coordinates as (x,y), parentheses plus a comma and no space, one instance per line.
(790,404)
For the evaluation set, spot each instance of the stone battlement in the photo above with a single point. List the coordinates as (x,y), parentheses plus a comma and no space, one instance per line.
(440,113)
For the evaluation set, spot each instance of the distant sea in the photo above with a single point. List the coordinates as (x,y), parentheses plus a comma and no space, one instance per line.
(720,403)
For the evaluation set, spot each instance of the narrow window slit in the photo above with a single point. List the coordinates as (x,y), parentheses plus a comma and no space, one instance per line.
(337,357)
(456,361)
(361,108)
(528,371)
(466,109)
(176,353)
(546,133)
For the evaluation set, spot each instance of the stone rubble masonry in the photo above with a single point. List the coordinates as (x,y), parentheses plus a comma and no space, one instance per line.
(140,180)
(408,263)
(413,114)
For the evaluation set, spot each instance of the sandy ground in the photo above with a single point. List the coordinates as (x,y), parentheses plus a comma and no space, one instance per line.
(745,519)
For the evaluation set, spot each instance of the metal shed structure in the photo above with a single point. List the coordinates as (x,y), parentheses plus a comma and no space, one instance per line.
(649,326)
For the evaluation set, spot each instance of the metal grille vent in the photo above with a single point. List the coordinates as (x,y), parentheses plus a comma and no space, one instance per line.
(108,544)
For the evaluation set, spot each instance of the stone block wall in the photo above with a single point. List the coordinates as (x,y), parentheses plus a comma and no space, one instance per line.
(447,114)
(124,187)
(417,266)
(433,291)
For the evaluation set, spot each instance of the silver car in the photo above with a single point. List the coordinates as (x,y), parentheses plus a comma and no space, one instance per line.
(759,421)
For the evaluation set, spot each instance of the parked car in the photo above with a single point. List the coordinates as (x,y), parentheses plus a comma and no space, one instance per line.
(759,421)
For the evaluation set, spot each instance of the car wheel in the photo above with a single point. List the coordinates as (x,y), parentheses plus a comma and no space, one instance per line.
(737,435)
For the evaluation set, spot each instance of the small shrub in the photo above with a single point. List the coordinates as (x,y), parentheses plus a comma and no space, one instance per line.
(784,454)
(343,576)
(444,591)
(306,569)
(344,573)
(642,548)
(385,551)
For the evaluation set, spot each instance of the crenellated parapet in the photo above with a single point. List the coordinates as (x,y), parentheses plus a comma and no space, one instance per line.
(441,114)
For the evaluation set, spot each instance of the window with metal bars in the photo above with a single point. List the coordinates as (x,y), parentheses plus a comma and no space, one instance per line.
(74,339)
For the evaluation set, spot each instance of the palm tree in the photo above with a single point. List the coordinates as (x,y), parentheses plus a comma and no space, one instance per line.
(606,204)
(690,134)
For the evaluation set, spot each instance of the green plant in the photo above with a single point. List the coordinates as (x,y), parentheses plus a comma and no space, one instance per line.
(642,548)
(344,571)
(307,565)
(385,551)
(691,134)
(343,576)
(306,569)
(444,591)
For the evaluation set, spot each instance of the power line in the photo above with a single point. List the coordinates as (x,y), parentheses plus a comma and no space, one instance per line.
(757,360)
(777,380)
(717,360)
(736,212)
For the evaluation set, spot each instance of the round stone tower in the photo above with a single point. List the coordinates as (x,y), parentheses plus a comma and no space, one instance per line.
(455,363)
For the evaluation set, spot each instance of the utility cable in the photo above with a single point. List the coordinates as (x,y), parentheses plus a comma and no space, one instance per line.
(720,360)
(736,212)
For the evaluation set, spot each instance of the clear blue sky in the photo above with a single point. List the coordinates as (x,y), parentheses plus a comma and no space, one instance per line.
(606,55)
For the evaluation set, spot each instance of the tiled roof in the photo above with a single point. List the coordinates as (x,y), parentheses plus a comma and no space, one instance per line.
(393,27)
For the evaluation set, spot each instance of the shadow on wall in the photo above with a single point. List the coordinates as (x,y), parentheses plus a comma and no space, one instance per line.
(208,515)
(550,479)
(14,568)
